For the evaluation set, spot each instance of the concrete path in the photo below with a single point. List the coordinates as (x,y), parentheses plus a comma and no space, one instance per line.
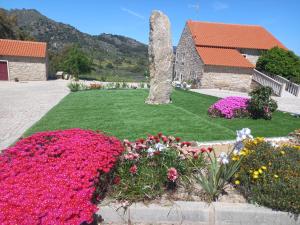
(287,103)
(24,103)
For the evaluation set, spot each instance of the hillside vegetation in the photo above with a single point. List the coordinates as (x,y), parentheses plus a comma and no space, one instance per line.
(115,57)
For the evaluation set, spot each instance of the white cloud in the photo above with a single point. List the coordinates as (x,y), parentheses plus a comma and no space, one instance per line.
(218,6)
(133,13)
(194,6)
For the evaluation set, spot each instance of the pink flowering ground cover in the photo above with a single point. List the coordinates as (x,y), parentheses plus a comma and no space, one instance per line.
(230,107)
(51,177)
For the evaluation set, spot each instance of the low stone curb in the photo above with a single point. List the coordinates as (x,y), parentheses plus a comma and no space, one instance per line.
(192,213)
(226,142)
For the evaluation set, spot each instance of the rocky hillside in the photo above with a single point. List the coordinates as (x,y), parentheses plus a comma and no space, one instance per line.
(104,48)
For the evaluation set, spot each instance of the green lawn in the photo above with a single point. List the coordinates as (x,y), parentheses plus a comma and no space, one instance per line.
(122,113)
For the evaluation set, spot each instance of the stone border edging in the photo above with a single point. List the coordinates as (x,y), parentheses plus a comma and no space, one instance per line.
(200,213)
(209,143)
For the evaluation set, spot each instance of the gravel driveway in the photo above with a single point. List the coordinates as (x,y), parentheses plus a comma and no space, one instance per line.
(24,103)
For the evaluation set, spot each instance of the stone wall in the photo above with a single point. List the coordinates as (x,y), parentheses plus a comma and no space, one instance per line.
(228,78)
(251,54)
(188,65)
(26,68)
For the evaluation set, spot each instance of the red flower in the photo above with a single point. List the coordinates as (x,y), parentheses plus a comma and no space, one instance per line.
(210,149)
(151,137)
(159,134)
(177,139)
(165,139)
(117,180)
(133,169)
(54,171)
(172,174)
(156,153)
(203,150)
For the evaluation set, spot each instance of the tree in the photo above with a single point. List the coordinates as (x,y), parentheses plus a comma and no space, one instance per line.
(109,66)
(278,61)
(77,62)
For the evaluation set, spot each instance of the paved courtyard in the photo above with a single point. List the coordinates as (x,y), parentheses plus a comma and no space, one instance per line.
(24,103)
(287,103)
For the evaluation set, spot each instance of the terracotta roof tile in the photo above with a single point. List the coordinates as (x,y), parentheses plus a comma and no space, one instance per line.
(23,48)
(232,35)
(223,57)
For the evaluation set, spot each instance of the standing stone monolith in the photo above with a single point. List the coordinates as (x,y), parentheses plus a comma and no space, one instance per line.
(160,52)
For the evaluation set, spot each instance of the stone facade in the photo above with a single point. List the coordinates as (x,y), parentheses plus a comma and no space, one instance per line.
(26,68)
(190,68)
(251,55)
(188,64)
(227,78)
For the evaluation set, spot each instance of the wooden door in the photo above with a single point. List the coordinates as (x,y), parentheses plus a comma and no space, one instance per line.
(3,71)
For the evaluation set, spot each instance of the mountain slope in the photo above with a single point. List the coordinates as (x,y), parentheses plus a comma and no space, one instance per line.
(128,56)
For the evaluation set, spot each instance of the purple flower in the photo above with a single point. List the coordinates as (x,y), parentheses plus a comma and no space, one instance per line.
(228,107)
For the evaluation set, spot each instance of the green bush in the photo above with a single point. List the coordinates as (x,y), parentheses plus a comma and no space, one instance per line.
(74,86)
(278,61)
(151,167)
(270,176)
(261,105)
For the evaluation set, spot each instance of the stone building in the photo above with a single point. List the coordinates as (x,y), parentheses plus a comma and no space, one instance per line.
(23,60)
(217,55)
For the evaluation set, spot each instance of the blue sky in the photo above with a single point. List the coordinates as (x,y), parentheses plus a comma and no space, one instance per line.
(130,18)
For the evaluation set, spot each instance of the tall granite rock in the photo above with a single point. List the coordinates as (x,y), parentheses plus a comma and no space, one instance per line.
(160,59)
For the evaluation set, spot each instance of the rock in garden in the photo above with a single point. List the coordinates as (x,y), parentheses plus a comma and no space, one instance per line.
(160,59)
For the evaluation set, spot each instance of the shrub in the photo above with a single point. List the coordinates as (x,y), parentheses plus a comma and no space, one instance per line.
(261,105)
(270,176)
(221,169)
(278,61)
(230,107)
(74,86)
(95,86)
(51,177)
(150,167)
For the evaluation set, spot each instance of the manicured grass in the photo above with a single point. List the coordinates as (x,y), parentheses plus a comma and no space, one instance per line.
(122,113)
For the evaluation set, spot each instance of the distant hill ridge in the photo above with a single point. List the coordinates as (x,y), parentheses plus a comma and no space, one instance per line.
(104,48)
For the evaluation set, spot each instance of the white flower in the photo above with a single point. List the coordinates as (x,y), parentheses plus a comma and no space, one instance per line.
(223,158)
(274,145)
(151,151)
(160,147)
(243,134)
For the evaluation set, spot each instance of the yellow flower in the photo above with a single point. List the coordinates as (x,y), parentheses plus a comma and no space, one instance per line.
(235,158)
(260,171)
(243,152)
(270,163)
(264,168)
(237,182)
(255,142)
(250,171)
(276,176)
(255,173)
(282,152)
(255,176)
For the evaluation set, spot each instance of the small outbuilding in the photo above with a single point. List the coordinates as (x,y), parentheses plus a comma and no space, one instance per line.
(23,60)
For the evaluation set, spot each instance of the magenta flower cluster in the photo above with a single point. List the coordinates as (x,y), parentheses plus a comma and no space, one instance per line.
(229,107)
(50,177)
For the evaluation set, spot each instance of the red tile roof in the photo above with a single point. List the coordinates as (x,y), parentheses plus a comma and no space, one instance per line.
(23,48)
(223,57)
(232,35)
